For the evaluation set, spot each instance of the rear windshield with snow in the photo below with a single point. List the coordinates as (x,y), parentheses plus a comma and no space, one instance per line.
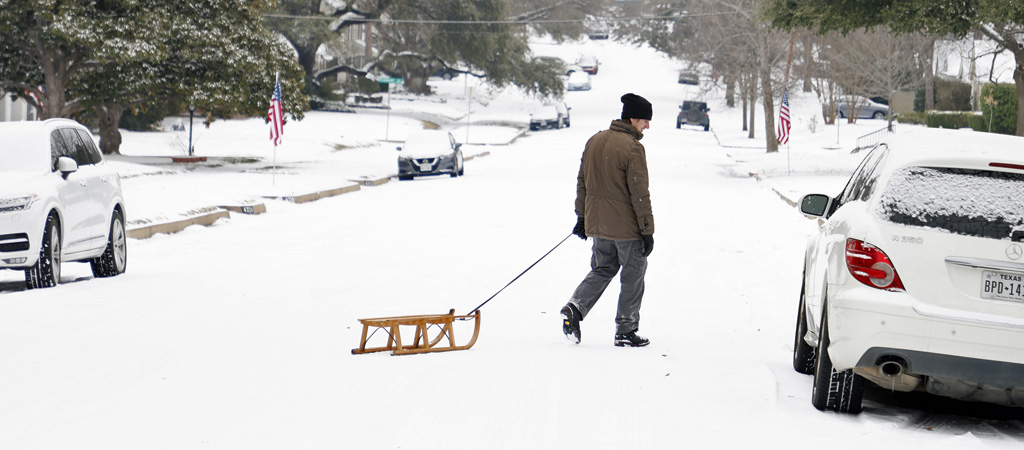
(980,203)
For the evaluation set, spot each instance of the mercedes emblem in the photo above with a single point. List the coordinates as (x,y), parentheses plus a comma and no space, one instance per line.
(1014,252)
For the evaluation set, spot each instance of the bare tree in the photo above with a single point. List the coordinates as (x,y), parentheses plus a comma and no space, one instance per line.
(878,63)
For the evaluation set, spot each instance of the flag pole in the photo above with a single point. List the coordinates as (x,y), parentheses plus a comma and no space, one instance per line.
(273,176)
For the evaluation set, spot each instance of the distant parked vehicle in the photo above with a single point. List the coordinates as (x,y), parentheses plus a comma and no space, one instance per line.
(598,33)
(687,77)
(588,63)
(550,115)
(430,152)
(59,202)
(915,280)
(561,67)
(693,113)
(578,81)
(865,108)
(445,73)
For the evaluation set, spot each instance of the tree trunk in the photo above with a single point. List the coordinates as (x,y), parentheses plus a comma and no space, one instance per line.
(808,63)
(730,92)
(1018,79)
(110,136)
(743,97)
(753,111)
(771,141)
(929,75)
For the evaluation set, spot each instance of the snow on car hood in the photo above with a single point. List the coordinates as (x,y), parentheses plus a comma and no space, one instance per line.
(545,112)
(427,144)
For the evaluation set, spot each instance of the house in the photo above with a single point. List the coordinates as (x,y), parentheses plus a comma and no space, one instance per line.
(14,109)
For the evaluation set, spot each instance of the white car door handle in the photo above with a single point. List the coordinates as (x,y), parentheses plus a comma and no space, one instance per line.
(83,183)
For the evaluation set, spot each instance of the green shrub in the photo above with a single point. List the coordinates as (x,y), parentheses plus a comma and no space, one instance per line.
(947,120)
(999,108)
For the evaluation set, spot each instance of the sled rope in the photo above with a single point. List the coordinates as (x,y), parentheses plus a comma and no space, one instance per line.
(517,276)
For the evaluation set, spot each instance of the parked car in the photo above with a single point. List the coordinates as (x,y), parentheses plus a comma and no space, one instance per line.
(578,81)
(693,113)
(559,64)
(865,108)
(445,73)
(59,202)
(550,115)
(599,32)
(430,152)
(588,63)
(915,281)
(688,77)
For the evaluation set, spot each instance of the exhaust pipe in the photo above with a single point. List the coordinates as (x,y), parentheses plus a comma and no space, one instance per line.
(891,368)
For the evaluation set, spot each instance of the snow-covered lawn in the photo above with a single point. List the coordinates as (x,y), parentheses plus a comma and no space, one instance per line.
(238,336)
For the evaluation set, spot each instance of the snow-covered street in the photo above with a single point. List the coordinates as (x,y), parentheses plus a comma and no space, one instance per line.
(238,335)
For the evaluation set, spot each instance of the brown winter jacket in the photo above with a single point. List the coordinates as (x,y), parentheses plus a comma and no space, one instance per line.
(611,188)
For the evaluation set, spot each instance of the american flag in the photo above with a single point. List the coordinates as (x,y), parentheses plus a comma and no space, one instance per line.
(275,115)
(784,123)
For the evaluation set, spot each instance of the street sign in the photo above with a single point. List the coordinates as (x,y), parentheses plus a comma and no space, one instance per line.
(390,80)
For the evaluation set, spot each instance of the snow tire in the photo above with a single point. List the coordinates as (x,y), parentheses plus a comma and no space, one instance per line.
(834,390)
(114,259)
(46,271)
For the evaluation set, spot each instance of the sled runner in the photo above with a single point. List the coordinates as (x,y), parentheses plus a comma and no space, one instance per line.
(421,342)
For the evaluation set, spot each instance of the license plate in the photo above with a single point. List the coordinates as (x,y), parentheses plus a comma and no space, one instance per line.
(426,167)
(1002,286)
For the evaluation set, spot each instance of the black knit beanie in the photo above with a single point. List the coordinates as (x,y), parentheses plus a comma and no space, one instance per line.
(635,107)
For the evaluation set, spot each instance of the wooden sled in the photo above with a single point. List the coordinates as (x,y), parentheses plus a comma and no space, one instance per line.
(421,342)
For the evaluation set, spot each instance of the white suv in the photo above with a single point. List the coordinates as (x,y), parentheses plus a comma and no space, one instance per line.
(58,202)
(916,279)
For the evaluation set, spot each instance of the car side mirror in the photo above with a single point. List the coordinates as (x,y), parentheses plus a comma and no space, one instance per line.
(707,109)
(66,165)
(815,204)
(458,146)
(398,148)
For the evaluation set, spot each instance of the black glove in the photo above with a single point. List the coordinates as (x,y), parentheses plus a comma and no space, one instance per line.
(648,244)
(579,230)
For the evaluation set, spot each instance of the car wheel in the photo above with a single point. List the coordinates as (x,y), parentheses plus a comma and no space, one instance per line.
(833,390)
(558,123)
(877,115)
(803,353)
(533,128)
(462,164)
(707,127)
(842,116)
(46,271)
(679,125)
(115,258)
(567,122)
(447,76)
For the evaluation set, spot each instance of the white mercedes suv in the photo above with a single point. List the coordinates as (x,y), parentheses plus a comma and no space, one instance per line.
(916,278)
(59,202)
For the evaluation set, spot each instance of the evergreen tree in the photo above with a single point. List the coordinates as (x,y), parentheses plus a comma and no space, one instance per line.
(105,56)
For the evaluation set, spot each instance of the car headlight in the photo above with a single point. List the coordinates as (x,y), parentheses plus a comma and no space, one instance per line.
(14,204)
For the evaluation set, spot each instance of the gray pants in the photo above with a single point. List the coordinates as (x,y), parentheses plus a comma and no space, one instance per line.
(608,257)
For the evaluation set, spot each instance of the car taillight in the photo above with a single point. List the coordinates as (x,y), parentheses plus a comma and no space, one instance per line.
(871,266)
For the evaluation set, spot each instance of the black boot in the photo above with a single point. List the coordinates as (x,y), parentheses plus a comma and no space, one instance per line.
(630,339)
(571,323)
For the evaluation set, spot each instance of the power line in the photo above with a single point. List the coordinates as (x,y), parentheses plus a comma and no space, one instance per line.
(496,22)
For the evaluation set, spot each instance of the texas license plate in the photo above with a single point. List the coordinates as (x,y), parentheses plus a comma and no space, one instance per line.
(426,167)
(1002,286)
